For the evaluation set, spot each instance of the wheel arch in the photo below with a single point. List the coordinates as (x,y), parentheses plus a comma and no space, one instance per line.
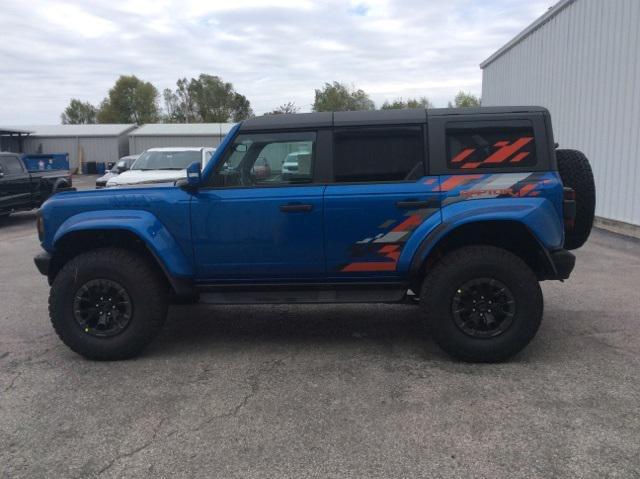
(509,234)
(140,232)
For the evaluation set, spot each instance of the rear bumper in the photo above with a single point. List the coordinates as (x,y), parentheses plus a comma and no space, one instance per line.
(563,262)
(43,262)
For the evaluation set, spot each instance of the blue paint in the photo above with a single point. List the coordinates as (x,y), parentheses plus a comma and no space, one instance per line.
(350,232)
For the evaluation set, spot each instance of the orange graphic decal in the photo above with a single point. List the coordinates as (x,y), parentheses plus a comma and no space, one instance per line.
(462,155)
(506,151)
(519,157)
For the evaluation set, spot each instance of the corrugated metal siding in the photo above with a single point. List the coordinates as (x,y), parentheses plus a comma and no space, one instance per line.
(10,143)
(137,143)
(100,149)
(584,66)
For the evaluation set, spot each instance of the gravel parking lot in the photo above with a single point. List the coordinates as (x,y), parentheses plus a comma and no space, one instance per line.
(325,391)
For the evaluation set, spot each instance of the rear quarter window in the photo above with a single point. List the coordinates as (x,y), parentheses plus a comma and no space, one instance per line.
(490,147)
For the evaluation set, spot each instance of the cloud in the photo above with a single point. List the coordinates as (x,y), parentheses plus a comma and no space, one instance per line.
(273,51)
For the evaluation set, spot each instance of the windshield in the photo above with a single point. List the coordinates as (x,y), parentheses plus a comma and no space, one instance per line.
(166,160)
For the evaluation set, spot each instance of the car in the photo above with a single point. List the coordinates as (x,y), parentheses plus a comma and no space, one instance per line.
(294,161)
(461,212)
(121,166)
(21,189)
(162,165)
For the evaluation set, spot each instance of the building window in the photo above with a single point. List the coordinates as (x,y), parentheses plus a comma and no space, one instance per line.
(363,155)
(473,148)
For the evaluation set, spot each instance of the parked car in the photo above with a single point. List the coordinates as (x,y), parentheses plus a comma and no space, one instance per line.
(295,162)
(21,189)
(462,212)
(162,165)
(119,167)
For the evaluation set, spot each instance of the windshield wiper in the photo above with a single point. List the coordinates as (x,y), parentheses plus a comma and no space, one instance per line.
(172,168)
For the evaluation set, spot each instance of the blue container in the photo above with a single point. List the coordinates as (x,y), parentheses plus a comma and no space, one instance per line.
(100,168)
(52,161)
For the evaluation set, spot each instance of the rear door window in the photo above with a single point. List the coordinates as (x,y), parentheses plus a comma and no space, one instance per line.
(11,165)
(491,147)
(366,155)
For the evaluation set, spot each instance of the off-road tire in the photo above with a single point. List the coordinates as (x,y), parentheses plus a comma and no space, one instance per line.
(145,287)
(469,263)
(575,172)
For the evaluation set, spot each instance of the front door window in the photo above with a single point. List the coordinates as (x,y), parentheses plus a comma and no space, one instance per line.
(265,159)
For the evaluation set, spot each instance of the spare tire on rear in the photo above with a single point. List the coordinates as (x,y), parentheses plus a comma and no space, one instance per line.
(576,173)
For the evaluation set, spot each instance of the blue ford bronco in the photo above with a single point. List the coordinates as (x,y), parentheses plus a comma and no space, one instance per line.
(461,212)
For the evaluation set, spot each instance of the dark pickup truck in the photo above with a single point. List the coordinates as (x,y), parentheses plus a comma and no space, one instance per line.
(21,189)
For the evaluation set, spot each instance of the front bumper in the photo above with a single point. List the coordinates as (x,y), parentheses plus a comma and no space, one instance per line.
(43,262)
(563,262)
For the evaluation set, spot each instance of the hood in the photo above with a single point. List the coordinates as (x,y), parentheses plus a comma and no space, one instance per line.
(107,176)
(137,177)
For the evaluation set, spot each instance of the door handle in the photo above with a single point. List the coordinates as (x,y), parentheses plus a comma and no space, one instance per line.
(413,204)
(296,208)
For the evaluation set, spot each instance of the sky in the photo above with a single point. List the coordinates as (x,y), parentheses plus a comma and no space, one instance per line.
(273,51)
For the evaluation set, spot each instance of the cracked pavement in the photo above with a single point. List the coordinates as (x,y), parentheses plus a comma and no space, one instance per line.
(325,391)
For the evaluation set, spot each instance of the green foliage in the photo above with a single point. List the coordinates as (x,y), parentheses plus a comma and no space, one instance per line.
(400,104)
(179,104)
(206,99)
(339,97)
(465,100)
(131,100)
(78,113)
(286,108)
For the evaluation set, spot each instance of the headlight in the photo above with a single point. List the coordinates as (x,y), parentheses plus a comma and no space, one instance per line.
(40,226)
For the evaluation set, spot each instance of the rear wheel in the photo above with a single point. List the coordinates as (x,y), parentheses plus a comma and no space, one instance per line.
(484,304)
(576,173)
(107,304)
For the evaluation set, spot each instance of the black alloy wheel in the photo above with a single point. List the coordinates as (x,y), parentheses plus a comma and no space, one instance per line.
(102,308)
(483,308)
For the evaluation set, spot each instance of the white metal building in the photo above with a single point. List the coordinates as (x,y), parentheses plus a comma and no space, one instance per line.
(581,60)
(85,143)
(155,135)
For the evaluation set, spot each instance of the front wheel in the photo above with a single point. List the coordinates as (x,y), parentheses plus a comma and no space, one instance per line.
(484,303)
(107,304)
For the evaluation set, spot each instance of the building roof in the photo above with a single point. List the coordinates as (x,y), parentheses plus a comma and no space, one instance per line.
(114,129)
(537,24)
(183,129)
(371,117)
(4,131)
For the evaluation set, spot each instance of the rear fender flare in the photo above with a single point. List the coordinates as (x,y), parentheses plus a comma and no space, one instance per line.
(538,215)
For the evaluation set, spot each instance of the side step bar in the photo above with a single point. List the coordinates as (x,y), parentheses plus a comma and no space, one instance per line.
(302,293)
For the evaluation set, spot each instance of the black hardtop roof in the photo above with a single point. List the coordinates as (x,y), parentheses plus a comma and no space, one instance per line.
(372,117)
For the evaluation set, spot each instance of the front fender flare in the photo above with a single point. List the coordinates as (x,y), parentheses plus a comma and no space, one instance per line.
(144,225)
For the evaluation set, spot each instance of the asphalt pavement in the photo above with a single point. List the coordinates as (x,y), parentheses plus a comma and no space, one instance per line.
(325,391)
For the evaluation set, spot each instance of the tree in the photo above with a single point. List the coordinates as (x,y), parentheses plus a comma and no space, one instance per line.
(400,104)
(131,100)
(205,99)
(79,113)
(339,97)
(285,108)
(465,100)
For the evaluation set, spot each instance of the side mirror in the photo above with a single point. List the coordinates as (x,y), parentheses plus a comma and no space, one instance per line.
(194,174)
